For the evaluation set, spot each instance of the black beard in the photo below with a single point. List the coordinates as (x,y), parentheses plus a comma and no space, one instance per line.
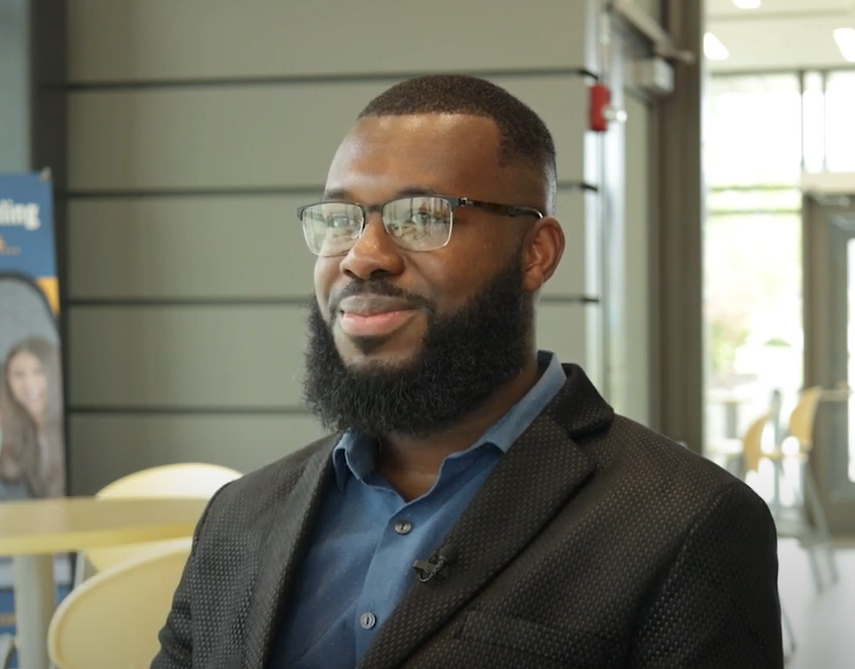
(466,356)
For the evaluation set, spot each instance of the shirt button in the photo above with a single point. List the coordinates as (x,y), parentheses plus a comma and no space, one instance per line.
(403,527)
(367,620)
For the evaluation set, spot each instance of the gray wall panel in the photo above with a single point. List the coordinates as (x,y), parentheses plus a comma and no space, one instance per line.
(562,329)
(228,357)
(258,136)
(240,356)
(163,39)
(107,447)
(194,247)
(249,105)
(638,271)
(220,247)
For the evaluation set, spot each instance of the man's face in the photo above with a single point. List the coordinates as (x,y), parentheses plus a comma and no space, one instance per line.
(410,341)
(382,158)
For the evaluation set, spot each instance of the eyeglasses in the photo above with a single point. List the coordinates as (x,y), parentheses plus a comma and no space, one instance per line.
(416,223)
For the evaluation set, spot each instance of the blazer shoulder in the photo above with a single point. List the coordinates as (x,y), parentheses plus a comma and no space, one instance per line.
(661,466)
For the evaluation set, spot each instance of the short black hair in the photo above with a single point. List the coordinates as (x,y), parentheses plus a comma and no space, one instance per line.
(524,137)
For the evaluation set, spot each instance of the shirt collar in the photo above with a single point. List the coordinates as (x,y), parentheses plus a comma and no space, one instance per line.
(510,427)
(354,454)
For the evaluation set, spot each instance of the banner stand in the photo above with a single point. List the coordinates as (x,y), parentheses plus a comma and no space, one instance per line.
(32,434)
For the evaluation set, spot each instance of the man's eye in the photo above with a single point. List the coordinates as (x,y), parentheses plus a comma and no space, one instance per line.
(424,217)
(339,221)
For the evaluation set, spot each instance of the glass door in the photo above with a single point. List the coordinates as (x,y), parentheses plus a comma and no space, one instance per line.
(830,351)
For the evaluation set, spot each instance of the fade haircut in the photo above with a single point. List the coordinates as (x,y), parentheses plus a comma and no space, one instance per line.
(524,138)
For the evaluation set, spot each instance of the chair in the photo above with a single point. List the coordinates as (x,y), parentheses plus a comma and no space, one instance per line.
(200,480)
(811,528)
(813,534)
(7,648)
(112,620)
(752,444)
(752,454)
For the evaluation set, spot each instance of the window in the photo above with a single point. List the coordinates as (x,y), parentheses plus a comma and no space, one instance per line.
(752,253)
(840,128)
(752,133)
(753,315)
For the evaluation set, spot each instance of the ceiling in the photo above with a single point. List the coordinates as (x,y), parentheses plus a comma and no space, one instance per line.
(781,34)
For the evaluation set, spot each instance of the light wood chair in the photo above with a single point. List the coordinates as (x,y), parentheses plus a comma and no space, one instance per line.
(753,454)
(814,534)
(752,444)
(193,479)
(112,620)
(811,526)
(7,649)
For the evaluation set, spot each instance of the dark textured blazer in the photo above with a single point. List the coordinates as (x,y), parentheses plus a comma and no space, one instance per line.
(594,543)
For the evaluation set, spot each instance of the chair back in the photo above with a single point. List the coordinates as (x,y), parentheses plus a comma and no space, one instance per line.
(192,479)
(112,620)
(803,417)
(186,479)
(752,444)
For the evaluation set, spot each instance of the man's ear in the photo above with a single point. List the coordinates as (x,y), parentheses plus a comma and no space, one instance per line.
(543,248)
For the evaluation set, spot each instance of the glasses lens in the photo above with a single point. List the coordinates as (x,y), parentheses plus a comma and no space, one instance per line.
(331,228)
(421,223)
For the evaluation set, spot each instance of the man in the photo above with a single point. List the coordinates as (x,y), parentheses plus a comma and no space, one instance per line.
(478,504)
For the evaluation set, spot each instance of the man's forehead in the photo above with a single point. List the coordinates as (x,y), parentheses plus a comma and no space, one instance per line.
(353,189)
(433,124)
(431,151)
(432,134)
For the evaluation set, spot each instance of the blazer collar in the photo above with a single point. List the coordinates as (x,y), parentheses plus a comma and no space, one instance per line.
(529,485)
(579,407)
(290,524)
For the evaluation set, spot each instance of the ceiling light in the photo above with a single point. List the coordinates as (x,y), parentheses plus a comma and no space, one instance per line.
(747,4)
(714,49)
(845,38)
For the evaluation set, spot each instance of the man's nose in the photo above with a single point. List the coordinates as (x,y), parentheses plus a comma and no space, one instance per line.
(374,253)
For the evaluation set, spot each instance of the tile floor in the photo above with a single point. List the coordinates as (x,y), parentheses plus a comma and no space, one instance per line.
(823,623)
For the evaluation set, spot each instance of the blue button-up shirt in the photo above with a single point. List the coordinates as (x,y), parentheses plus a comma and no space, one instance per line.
(359,562)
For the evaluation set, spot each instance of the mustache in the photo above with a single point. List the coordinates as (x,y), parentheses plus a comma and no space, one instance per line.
(378,287)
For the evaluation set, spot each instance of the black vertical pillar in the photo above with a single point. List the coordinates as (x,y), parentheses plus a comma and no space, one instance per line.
(15,83)
(33,111)
(678,383)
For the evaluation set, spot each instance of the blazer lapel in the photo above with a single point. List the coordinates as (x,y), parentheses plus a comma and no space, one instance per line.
(533,481)
(290,523)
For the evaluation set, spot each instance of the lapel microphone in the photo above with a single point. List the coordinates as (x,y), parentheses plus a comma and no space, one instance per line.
(427,569)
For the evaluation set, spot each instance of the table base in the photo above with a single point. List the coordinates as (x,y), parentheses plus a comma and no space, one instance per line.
(35,599)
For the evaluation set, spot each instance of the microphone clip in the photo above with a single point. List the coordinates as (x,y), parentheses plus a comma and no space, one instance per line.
(435,564)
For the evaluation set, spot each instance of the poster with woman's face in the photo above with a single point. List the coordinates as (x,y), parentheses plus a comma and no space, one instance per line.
(32,449)
(32,445)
